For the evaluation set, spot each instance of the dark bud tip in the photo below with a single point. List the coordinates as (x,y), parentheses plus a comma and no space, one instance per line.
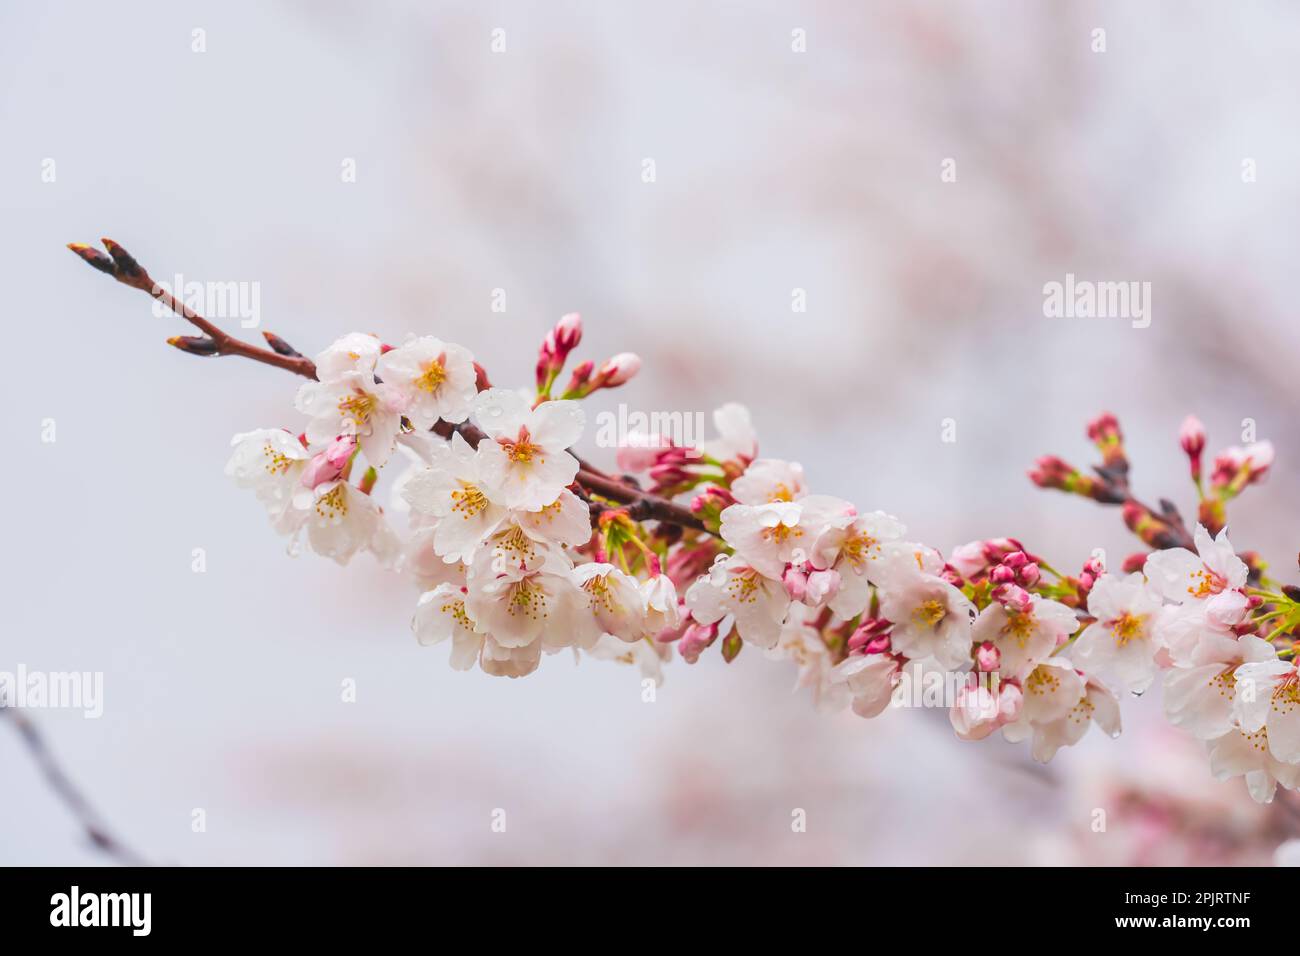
(280,346)
(93,257)
(127,267)
(194,344)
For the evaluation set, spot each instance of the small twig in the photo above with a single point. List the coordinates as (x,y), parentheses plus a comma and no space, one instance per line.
(67,792)
(122,266)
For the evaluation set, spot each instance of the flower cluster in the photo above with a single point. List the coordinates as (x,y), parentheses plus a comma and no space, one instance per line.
(521,549)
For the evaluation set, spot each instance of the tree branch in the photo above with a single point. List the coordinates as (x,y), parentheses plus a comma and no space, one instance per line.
(63,787)
(122,266)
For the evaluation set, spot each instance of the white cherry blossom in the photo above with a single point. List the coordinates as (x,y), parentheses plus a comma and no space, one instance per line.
(870,679)
(1181,576)
(1052,690)
(339,520)
(734,589)
(737,440)
(354,404)
(1024,636)
(355,352)
(271,462)
(931,619)
(663,607)
(770,536)
(452,490)
(1201,696)
(437,378)
(526,462)
(501,660)
(522,602)
(1181,629)
(1268,699)
(769,480)
(440,615)
(610,602)
(1242,753)
(982,706)
(1123,640)
(855,546)
(1096,704)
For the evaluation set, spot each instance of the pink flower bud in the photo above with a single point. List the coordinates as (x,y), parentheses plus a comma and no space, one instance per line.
(696,639)
(821,587)
(640,451)
(578,380)
(1192,436)
(619,370)
(329,464)
(1105,427)
(796,583)
(1012,597)
(988,657)
(340,450)
(1002,575)
(1134,562)
(1029,575)
(877,645)
(968,559)
(568,333)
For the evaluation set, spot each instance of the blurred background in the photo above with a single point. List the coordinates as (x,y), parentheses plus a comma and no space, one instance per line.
(521,169)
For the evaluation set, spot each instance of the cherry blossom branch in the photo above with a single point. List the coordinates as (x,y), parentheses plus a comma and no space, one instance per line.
(1161,527)
(67,792)
(123,267)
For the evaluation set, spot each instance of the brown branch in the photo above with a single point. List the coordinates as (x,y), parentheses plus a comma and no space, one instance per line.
(67,792)
(122,266)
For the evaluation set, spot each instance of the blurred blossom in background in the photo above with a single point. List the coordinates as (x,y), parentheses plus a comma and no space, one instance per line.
(775,172)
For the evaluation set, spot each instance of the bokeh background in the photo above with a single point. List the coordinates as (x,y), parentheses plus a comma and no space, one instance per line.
(521,170)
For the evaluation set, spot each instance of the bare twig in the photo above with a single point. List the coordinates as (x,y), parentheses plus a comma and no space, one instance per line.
(67,792)
(122,266)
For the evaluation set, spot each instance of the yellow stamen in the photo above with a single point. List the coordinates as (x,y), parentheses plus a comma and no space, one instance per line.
(358,407)
(859,548)
(743,587)
(469,501)
(276,462)
(333,504)
(1128,627)
(930,614)
(432,378)
(529,599)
